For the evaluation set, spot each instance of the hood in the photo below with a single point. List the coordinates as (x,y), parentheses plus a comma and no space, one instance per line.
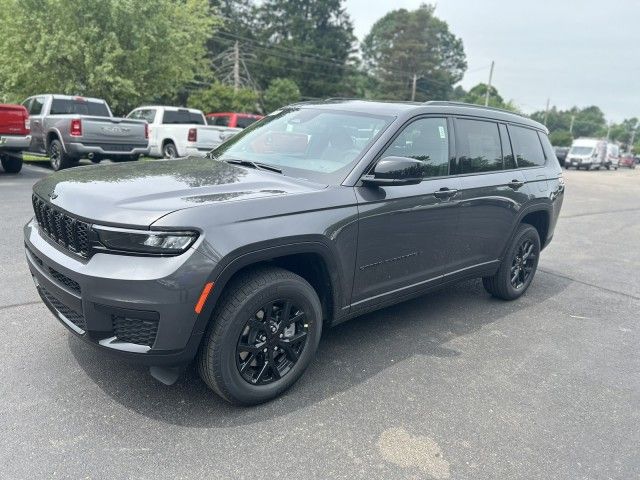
(139,193)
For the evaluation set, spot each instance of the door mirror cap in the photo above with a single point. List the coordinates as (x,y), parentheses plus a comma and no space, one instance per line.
(396,171)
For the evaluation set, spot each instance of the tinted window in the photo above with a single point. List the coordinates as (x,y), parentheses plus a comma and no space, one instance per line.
(426,140)
(148,115)
(63,106)
(36,106)
(244,122)
(527,147)
(182,117)
(478,146)
(507,152)
(222,121)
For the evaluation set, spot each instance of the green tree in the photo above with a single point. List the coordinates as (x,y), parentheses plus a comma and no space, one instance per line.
(587,122)
(477,96)
(404,45)
(308,41)
(127,52)
(223,98)
(560,138)
(281,92)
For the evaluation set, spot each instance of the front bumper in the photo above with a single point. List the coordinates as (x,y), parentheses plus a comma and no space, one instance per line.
(82,149)
(139,308)
(15,142)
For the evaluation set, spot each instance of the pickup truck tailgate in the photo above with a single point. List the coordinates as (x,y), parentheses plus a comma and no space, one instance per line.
(13,120)
(212,136)
(113,131)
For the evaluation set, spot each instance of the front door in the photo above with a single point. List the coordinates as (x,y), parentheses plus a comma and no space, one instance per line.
(406,232)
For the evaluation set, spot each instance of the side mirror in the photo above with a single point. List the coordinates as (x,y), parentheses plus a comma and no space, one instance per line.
(396,171)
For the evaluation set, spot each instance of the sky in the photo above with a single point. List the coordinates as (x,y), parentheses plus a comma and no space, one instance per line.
(573,52)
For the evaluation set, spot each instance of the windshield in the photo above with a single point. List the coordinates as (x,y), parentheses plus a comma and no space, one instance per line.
(582,151)
(317,144)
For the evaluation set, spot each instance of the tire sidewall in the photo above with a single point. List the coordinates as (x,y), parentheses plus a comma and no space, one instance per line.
(56,165)
(166,149)
(301,295)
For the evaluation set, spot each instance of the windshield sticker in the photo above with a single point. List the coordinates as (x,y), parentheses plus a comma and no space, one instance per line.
(442,134)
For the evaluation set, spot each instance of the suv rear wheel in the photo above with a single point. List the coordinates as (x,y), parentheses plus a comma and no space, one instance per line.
(11,164)
(518,266)
(262,337)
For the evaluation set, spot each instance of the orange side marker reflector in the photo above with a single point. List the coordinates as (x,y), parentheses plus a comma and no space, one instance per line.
(203,296)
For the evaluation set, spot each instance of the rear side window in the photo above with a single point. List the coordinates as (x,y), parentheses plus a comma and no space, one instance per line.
(148,115)
(64,106)
(478,146)
(426,140)
(181,117)
(36,106)
(527,147)
(244,122)
(222,121)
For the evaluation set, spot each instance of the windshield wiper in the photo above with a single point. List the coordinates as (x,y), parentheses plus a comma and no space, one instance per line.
(256,165)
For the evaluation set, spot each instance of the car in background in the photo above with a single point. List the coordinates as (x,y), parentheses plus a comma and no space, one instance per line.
(587,153)
(627,160)
(180,132)
(69,128)
(15,136)
(561,154)
(613,156)
(233,120)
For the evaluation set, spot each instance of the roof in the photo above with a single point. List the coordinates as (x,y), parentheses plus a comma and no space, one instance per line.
(169,107)
(396,108)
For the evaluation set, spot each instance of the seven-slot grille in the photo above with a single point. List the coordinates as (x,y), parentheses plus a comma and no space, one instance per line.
(69,232)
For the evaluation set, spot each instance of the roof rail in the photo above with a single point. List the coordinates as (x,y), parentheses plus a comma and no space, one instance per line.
(471,105)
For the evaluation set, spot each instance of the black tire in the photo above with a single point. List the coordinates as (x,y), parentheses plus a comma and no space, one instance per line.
(11,164)
(501,285)
(241,303)
(169,150)
(125,158)
(58,158)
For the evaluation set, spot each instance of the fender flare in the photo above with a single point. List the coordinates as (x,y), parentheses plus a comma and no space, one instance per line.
(542,205)
(250,255)
(58,134)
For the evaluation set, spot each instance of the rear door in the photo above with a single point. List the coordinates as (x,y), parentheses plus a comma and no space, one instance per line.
(491,193)
(406,232)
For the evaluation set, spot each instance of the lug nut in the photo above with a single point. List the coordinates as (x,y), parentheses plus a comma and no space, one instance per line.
(280,335)
(265,350)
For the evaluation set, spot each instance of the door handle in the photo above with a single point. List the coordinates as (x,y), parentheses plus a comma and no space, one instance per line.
(515,184)
(445,193)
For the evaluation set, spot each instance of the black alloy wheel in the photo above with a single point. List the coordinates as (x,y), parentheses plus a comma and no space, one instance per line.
(523,264)
(271,342)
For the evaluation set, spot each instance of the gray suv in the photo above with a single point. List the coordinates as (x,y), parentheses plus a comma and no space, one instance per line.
(316,214)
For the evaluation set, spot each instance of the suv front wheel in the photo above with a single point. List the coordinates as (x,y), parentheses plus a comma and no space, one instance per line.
(262,337)
(518,266)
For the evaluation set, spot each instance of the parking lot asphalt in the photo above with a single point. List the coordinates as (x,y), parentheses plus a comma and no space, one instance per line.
(454,384)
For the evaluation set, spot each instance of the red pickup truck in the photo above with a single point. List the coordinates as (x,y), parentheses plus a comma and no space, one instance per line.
(15,136)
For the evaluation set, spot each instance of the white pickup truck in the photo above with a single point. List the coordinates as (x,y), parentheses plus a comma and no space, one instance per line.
(180,132)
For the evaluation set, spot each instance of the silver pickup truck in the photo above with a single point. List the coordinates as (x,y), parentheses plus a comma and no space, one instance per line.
(68,128)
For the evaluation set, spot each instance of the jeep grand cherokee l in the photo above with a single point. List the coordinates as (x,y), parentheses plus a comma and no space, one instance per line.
(315,214)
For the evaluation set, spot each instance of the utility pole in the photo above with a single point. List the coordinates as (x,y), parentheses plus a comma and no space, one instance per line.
(633,137)
(573,117)
(413,87)
(608,131)
(236,66)
(486,96)
(546,112)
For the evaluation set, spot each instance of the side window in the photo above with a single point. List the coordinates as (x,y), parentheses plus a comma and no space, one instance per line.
(426,140)
(134,115)
(527,147)
(478,146)
(507,152)
(223,120)
(148,115)
(36,106)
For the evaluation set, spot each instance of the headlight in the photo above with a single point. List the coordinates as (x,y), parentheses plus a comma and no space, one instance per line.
(150,242)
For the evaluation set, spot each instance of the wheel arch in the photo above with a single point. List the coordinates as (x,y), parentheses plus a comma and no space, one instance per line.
(312,260)
(54,134)
(539,212)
